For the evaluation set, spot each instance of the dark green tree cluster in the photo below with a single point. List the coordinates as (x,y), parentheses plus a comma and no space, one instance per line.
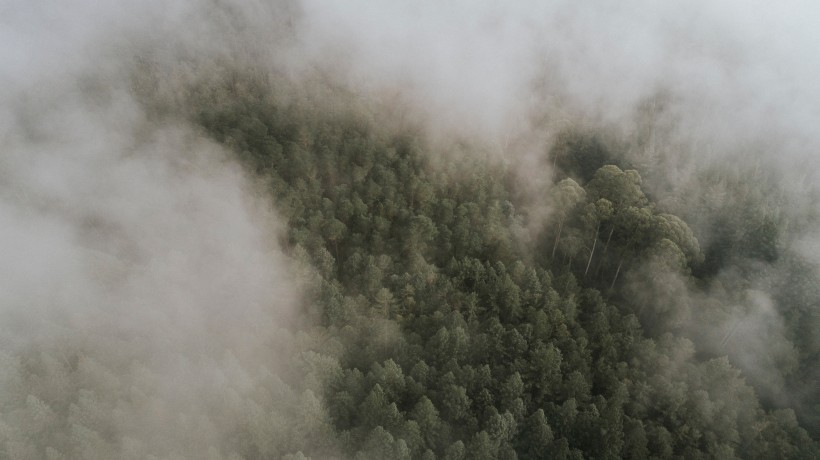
(444,338)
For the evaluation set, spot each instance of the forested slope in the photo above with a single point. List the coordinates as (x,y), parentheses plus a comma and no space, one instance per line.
(446,337)
(444,315)
(291,229)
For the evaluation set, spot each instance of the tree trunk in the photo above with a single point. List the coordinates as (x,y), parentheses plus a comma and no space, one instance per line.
(557,238)
(603,256)
(616,274)
(606,246)
(592,252)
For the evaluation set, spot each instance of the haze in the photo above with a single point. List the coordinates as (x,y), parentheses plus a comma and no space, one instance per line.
(147,279)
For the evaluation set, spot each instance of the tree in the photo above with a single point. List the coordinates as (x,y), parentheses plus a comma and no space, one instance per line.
(565,196)
(376,410)
(536,437)
(579,154)
(455,451)
(621,188)
(594,215)
(389,377)
(380,444)
(334,230)
(420,231)
(635,441)
(675,230)
(455,403)
(482,447)
(545,362)
(511,390)
(632,231)
(426,415)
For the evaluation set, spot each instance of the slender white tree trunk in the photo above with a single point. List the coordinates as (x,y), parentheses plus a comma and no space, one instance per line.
(592,252)
(557,238)
(606,248)
(616,274)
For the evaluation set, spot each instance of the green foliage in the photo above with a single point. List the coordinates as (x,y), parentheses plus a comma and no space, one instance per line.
(457,341)
(579,155)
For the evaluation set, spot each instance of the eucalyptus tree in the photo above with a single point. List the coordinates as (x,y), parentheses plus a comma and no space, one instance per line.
(565,197)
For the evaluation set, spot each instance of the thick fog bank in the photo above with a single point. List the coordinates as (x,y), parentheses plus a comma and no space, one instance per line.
(145,302)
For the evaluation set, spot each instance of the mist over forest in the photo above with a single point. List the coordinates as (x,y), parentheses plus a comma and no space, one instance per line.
(299,229)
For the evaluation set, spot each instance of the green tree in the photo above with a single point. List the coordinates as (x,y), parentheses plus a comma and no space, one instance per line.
(333,231)
(536,437)
(426,415)
(566,196)
(377,410)
(596,214)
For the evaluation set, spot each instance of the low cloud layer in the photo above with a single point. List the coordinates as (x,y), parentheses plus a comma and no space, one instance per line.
(144,300)
(734,73)
(138,257)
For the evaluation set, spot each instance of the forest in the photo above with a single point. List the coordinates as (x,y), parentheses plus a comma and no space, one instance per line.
(432,328)
(207,257)
(449,337)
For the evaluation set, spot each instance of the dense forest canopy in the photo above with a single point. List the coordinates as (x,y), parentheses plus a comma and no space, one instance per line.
(219,254)
(501,353)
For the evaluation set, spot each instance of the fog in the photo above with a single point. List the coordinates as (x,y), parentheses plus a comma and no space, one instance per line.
(130,239)
(682,85)
(146,306)
(734,74)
